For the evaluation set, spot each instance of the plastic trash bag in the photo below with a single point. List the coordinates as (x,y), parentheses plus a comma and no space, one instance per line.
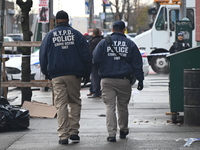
(13,118)
(189,141)
(3,101)
(3,120)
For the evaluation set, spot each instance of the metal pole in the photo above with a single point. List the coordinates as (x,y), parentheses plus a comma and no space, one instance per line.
(104,11)
(183,9)
(91,15)
(1,38)
(51,16)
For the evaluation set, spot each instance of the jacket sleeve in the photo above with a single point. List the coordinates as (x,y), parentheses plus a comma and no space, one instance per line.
(137,64)
(97,54)
(171,50)
(85,54)
(187,45)
(44,47)
(92,45)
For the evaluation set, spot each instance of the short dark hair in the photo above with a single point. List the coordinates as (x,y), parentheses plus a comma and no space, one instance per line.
(97,31)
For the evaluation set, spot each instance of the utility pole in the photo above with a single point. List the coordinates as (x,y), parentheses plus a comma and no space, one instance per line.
(183,9)
(1,36)
(104,11)
(45,29)
(51,16)
(91,14)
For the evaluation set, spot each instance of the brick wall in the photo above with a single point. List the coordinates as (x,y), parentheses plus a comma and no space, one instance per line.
(198,20)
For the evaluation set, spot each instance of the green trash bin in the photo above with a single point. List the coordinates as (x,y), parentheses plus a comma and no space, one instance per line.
(186,59)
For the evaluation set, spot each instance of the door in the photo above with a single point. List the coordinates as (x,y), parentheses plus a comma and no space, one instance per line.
(160,35)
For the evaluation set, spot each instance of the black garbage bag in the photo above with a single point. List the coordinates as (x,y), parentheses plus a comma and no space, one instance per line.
(3,118)
(3,101)
(13,118)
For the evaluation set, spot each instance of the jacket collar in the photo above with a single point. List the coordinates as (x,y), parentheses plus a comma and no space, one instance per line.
(118,33)
(63,24)
(97,37)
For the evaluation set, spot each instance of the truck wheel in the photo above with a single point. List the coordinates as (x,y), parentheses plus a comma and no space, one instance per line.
(160,65)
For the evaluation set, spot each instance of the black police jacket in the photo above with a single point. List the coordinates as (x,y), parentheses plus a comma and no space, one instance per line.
(179,46)
(112,66)
(65,51)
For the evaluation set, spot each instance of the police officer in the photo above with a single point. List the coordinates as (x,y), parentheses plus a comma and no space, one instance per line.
(115,73)
(65,58)
(179,45)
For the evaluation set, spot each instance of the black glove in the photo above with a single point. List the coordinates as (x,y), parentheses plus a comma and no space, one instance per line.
(86,80)
(47,77)
(140,85)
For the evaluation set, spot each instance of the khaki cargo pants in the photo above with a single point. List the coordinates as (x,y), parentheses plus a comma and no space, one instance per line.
(68,104)
(116,92)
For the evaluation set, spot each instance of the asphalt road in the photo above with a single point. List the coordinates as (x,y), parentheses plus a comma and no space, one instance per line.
(150,127)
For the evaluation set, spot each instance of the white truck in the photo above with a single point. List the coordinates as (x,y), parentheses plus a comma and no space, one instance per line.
(158,40)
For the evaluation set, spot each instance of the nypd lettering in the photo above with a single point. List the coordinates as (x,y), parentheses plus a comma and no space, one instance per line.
(63,38)
(120,47)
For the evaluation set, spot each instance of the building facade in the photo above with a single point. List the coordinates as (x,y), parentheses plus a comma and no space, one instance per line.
(9,13)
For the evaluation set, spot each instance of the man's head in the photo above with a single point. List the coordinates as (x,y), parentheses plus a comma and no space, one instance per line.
(118,26)
(62,16)
(180,36)
(96,32)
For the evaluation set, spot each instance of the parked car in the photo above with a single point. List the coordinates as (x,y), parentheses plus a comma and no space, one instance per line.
(145,65)
(9,50)
(16,37)
(145,62)
(13,67)
(132,34)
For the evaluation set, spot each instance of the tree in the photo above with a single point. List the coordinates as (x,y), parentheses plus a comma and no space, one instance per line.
(25,9)
(119,8)
(134,12)
(138,19)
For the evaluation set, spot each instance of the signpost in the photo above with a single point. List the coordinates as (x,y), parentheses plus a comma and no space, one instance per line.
(43,11)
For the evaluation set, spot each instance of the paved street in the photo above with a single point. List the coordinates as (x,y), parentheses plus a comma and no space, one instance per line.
(150,127)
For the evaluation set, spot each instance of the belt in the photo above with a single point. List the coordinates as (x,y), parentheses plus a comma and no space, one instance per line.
(122,78)
(126,77)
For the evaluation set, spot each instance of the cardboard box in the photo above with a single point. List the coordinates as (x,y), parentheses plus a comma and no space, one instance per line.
(37,109)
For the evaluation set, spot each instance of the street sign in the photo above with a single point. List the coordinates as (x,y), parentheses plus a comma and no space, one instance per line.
(43,11)
(87,10)
(43,3)
(43,15)
(106,3)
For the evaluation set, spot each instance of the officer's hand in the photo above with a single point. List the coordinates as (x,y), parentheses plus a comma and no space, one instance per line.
(140,85)
(86,80)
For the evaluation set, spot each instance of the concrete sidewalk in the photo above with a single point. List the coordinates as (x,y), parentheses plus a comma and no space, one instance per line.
(149,129)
